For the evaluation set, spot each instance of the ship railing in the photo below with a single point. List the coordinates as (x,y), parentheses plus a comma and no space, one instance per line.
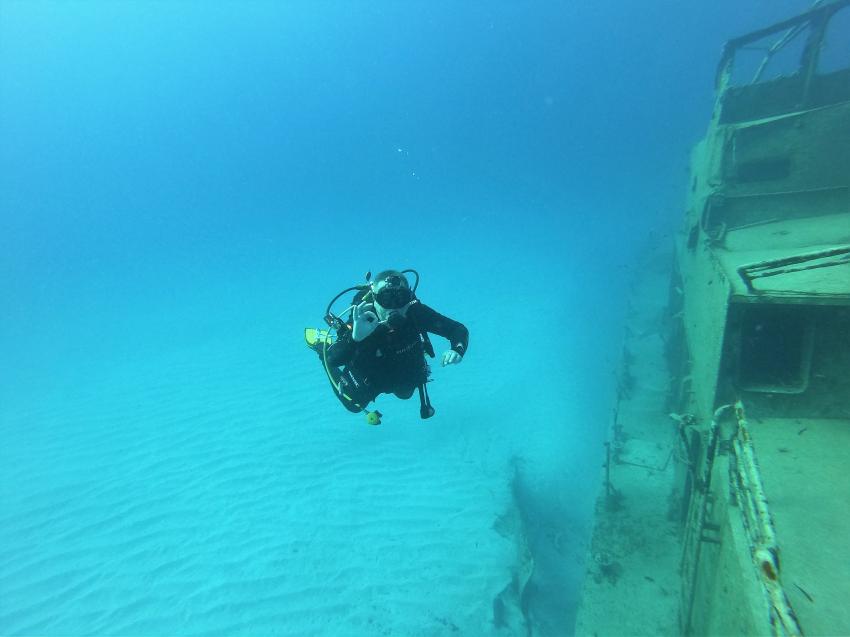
(748,492)
(807,93)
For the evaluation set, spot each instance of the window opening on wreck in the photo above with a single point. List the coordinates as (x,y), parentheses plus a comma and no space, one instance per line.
(772,57)
(775,352)
(835,50)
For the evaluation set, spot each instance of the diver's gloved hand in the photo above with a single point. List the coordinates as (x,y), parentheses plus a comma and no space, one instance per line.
(451,357)
(365,321)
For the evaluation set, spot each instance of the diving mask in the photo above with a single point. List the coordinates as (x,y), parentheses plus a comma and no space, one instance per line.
(392,293)
(393,298)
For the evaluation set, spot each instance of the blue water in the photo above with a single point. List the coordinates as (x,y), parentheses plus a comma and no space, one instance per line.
(184,186)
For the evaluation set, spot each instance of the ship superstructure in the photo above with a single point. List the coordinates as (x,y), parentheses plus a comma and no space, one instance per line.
(757,346)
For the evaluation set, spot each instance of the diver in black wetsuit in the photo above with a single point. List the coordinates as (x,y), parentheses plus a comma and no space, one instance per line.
(381,348)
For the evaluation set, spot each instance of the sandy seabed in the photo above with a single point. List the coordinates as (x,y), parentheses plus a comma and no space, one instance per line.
(217,491)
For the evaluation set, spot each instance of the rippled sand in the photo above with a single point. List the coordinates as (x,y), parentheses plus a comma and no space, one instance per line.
(214,491)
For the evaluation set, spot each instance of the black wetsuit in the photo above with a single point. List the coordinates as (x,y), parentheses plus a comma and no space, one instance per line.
(390,361)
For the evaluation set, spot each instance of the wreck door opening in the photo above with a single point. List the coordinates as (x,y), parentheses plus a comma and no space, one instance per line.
(775,349)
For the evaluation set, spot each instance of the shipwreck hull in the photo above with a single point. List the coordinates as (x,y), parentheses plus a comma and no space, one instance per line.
(756,347)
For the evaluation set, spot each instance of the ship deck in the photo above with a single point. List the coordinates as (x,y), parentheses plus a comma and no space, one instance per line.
(804,465)
(632,586)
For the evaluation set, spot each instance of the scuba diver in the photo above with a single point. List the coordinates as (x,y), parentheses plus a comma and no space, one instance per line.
(381,347)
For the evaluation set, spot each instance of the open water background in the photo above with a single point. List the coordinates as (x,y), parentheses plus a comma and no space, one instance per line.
(183,187)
